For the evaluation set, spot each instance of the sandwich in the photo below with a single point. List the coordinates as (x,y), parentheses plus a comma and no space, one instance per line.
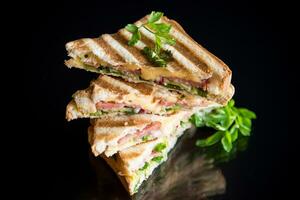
(113,96)
(111,134)
(135,164)
(191,68)
(153,78)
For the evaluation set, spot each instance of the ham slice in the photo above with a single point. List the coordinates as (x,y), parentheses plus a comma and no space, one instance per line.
(105,105)
(150,127)
(165,103)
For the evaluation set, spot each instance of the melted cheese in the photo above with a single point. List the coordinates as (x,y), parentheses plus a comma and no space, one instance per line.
(152,73)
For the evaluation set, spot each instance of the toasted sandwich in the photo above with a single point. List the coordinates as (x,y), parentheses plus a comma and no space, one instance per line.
(135,164)
(114,96)
(193,68)
(111,134)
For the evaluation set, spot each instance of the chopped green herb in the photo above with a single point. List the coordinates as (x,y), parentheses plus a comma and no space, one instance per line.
(129,111)
(98,113)
(146,138)
(172,86)
(181,86)
(198,91)
(157,159)
(146,165)
(159,147)
(159,59)
(174,108)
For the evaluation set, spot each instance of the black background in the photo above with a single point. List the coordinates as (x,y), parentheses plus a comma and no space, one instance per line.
(250,37)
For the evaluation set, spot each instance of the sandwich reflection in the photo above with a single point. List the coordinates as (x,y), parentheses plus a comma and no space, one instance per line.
(189,173)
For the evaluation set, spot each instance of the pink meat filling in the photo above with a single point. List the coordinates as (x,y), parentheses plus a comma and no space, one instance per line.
(139,134)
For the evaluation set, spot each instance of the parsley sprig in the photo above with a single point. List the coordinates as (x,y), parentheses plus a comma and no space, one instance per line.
(229,122)
(162,36)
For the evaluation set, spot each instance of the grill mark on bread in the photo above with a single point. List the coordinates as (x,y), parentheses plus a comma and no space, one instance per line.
(123,52)
(107,85)
(120,84)
(143,88)
(110,51)
(134,51)
(101,53)
(185,40)
(180,47)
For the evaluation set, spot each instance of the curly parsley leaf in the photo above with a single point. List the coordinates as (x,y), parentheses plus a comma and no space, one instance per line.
(158,59)
(132,28)
(136,36)
(155,16)
(161,34)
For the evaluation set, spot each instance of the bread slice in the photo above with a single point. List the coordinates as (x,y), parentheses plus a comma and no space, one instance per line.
(130,164)
(129,97)
(111,134)
(193,68)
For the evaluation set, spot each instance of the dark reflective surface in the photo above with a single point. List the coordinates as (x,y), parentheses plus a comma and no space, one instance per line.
(189,173)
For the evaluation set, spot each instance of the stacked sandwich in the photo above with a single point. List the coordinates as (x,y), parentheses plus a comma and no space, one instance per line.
(138,109)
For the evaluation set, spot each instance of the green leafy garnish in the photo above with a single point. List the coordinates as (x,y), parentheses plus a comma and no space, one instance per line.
(146,165)
(198,91)
(183,124)
(160,59)
(213,139)
(159,147)
(172,86)
(162,36)
(136,35)
(97,113)
(173,108)
(146,138)
(181,86)
(229,121)
(157,159)
(155,16)
(129,111)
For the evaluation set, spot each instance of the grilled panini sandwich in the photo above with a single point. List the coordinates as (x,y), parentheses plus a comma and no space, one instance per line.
(110,134)
(108,95)
(193,69)
(135,164)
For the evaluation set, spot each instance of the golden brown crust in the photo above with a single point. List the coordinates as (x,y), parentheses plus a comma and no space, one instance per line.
(108,85)
(108,50)
(145,89)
